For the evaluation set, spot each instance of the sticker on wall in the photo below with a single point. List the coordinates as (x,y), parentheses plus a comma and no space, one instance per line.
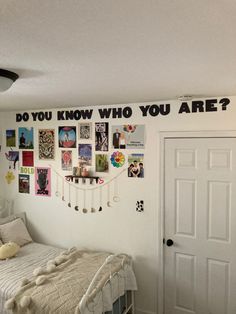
(128,136)
(101,136)
(140,206)
(85,154)
(10,177)
(102,164)
(42,181)
(26,170)
(10,138)
(85,131)
(26,138)
(46,142)
(27,158)
(117,159)
(67,136)
(13,157)
(136,166)
(24,183)
(66,160)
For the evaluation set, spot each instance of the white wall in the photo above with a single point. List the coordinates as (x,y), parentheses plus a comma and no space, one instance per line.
(119,228)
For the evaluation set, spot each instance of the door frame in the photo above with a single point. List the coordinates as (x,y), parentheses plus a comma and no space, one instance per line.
(162,137)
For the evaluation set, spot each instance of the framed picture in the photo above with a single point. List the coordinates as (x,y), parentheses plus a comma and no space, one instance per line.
(42,181)
(85,154)
(66,160)
(10,138)
(128,136)
(46,142)
(101,136)
(136,166)
(26,138)
(102,164)
(85,131)
(24,183)
(67,136)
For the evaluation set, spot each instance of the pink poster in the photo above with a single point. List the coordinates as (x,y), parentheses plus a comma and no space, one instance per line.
(43,181)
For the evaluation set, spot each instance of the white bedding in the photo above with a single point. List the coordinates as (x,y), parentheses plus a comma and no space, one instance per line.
(13,270)
(33,255)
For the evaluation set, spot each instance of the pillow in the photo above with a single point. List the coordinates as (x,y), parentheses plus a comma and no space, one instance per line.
(13,217)
(8,250)
(1,243)
(15,231)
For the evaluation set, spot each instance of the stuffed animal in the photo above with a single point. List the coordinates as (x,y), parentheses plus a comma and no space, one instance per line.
(8,250)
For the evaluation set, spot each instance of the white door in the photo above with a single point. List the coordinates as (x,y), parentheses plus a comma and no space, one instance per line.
(200,219)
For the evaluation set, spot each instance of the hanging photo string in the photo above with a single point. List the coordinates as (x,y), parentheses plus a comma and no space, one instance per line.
(100,199)
(109,196)
(116,194)
(57,193)
(63,189)
(92,202)
(76,199)
(85,209)
(69,186)
(85,187)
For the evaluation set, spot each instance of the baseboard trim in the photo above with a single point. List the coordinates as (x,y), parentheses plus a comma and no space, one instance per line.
(141,311)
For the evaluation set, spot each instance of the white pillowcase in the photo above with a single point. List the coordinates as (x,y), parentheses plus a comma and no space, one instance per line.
(15,231)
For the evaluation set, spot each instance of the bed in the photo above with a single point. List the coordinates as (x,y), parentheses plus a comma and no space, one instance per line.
(46,279)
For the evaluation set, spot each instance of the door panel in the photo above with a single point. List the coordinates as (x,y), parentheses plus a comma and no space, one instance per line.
(200,217)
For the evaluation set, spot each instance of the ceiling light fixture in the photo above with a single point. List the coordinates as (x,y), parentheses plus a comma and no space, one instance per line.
(7,78)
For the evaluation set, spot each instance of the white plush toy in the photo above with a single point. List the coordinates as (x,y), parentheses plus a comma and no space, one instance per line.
(8,250)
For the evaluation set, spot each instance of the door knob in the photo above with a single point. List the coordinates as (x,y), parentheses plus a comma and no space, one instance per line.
(169,242)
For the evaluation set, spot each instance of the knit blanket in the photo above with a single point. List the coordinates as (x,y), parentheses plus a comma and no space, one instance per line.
(61,284)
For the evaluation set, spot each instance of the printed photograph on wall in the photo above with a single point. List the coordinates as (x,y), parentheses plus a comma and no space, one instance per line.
(27,158)
(46,142)
(13,157)
(85,154)
(101,136)
(128,136)
(24,183)
(42,181)
(26,138)
(102,164)
(85,131)
(10,138)
(67,136)
(136,166)
(66,160)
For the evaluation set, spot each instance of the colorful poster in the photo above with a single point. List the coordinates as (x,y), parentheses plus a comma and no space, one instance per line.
(67,136)
(101,136)
(27,158)
(42,181)
(66,160)
(85,154)
(85,131)
(136,166)
(46,141)
(13,157)
(10,138)
(102,164)
(24,183)
(128,136)
(26,138)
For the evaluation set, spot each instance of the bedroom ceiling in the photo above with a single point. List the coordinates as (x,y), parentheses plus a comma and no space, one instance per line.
(84,52)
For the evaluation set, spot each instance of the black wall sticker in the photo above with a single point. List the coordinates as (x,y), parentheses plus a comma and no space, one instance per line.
(140,206)
(195,106)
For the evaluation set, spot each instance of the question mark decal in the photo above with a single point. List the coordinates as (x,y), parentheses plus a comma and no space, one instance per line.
(224,102)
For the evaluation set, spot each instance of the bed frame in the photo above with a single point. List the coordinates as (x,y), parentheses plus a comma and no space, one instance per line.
(123,305)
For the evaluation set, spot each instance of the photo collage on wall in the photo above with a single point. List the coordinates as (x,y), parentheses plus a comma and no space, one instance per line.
(98,148)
